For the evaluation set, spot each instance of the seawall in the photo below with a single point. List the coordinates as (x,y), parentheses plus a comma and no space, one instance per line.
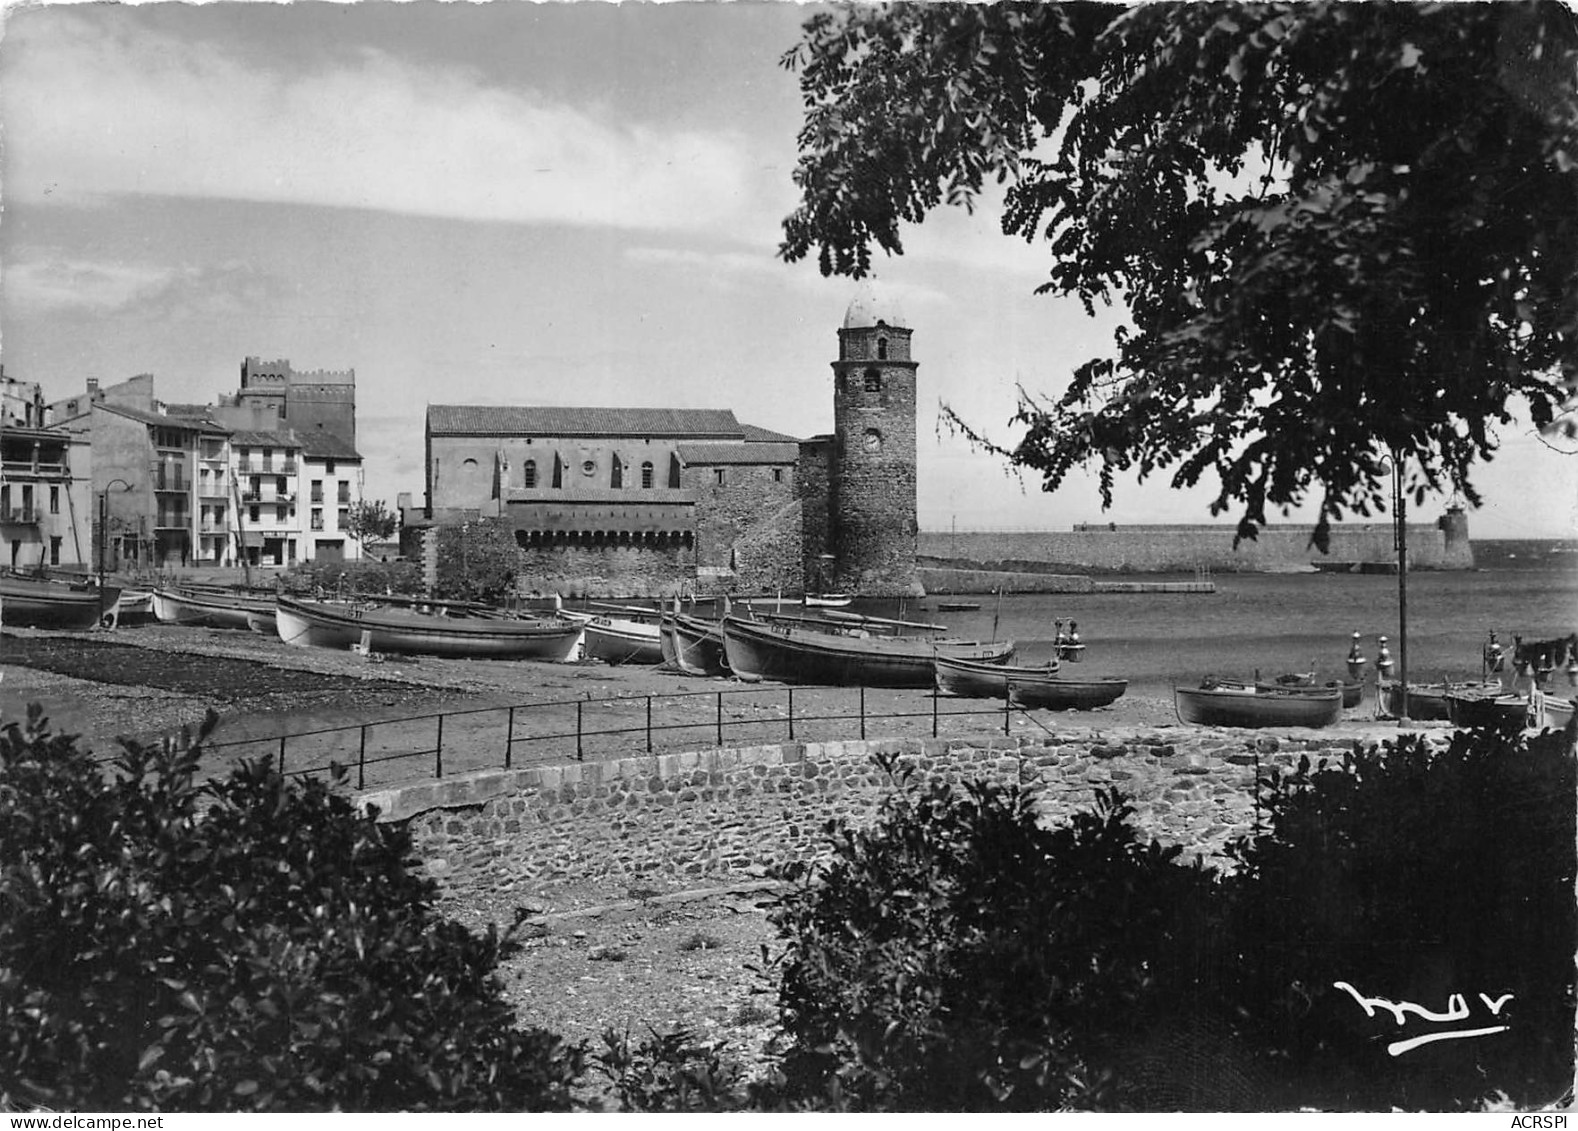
(729,812)
(1117,548)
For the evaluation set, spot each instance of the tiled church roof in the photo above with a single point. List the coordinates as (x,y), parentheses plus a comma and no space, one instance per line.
(551,420)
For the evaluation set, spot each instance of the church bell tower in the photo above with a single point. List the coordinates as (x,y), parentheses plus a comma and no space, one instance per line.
(873,492)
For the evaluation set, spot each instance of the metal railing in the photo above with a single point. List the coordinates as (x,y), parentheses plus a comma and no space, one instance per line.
(576,730)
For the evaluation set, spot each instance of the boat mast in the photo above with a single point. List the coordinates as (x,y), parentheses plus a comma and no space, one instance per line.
(241,533)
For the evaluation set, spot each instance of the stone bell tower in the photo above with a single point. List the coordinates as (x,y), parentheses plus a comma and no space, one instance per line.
(872,492)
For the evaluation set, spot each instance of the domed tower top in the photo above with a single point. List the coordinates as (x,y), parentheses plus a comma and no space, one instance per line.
(871,307)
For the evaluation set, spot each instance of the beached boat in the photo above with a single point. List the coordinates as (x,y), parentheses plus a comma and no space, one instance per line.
(1040,686)
(843,653)
(27,602)
(136,607)
(1499,712)
(1551,711)
(1247,704)
(958,606)
(692,645)
(263,623)
(216,608)
(1428,701)
(618,640)
(1352,690)
(326,624)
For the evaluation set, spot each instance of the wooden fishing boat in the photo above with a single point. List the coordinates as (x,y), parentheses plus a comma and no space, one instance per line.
(263,623)
(1352,690)
(828,600)
(958,606)
(326,624)
(619,639)
(1247,704)
(136,607)
(1552,711)
(217,608)
(1040,687)
(843,654)
(692,645)
(1428,701)
(27,602)
(1498,712)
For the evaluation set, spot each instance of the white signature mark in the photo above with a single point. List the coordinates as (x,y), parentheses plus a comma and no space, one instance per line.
(1456,1010)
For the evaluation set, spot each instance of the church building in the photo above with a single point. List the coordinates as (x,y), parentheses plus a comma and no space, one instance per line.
(653,501)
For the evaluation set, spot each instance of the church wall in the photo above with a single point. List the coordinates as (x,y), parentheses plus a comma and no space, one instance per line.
(748,524)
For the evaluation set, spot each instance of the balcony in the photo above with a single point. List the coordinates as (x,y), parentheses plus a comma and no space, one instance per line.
(20,516)
(252,496)
(28,467)
(176,485)
(272,467)
(178,520)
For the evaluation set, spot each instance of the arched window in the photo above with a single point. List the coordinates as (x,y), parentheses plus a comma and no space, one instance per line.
(529,473)
(617,476)
(882,349)
(873,381)
(646,476)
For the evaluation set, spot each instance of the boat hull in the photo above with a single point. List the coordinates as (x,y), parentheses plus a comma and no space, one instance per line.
(1040,687)
(791,654)
(1427,702)
(693,646)
(207,610)
(316,624)
(25,603)
(615,640)
(1249,706)
(1498,712)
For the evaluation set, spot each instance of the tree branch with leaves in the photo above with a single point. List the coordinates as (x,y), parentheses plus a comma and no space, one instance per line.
(1341,232)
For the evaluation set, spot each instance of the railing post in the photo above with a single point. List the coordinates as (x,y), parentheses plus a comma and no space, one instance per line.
(720,718)
(361,761)
(649,724)
(438,750)
(791,714)
(862,711)
(934,698)
(579,757)
(509,739)
(1008,704)
(282,754)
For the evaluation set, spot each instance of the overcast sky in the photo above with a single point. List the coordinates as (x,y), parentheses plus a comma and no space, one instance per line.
(509,203)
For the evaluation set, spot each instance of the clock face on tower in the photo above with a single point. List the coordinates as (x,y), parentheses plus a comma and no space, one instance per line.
(873,440)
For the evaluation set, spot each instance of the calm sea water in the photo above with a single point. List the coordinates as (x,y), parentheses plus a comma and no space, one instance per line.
(1276,623)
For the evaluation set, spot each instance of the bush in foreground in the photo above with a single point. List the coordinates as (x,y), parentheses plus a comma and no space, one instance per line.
(248,944)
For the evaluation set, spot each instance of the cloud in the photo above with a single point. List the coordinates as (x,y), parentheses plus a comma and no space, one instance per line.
(66,285)
(88,113)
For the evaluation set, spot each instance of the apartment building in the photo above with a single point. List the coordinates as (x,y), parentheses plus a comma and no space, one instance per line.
(46,499)
(332,470)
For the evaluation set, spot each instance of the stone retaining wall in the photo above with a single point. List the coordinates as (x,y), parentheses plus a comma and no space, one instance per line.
(718,813)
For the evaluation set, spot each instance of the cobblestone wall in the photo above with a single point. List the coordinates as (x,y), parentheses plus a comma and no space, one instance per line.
(718,813)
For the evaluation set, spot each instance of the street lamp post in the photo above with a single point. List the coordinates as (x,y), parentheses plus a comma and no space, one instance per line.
(1400,518)
(104,535)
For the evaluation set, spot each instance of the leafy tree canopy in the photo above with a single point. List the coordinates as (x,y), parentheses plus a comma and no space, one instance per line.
(1339,230)
(371,521)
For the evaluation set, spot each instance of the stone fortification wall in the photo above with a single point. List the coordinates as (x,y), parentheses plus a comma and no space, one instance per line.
(1184,549)
(722,812)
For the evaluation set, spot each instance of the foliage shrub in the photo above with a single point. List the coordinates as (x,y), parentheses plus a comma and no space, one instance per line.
(252,943)
(956,955)
(403,578)
(671,1072)
(1414,874)
(477,561)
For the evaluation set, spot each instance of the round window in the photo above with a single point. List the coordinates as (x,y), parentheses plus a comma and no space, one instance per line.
(589,467)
